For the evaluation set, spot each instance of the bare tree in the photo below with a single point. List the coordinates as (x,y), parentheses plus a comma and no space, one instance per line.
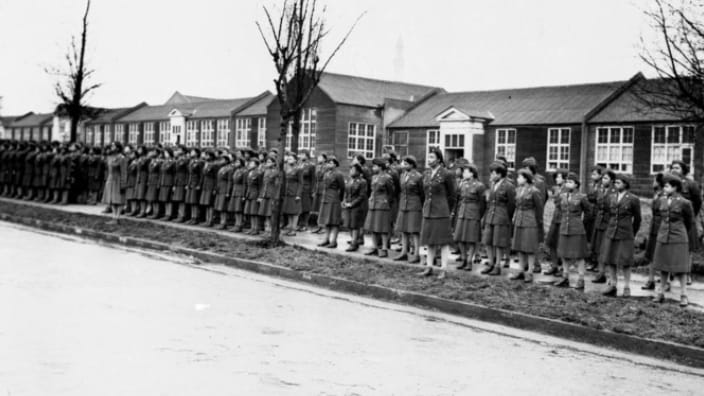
(73,87)
(294,40)
(676,56)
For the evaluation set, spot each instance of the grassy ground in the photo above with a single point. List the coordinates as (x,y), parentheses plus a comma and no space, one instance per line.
(631,316)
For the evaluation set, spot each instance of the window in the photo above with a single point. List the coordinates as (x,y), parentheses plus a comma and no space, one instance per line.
(191,131)
(261,132)
(558,148)
(106,134)
(207,129)
(669,143)
(46,133)
(98,136)
(506,146)
(223,132)
(432,141)
(148,133)
(614,148)
(88,131)
(307,135)
(400,142)
(243,127)
(361,139)
(120,133)
(133,133)
(164,132)
(27,134)
(176,133)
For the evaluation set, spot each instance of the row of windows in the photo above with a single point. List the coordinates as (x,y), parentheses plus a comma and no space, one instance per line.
(614,146)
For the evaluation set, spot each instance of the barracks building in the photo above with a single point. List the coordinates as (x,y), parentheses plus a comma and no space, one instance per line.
(572,126)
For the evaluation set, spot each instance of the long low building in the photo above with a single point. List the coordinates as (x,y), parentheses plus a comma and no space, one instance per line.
(573,127)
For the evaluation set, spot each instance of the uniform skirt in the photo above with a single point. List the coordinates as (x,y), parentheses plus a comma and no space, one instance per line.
(112,194)
(597,240)
(291,206)
(671,257)
(251,207)
(330,214)
(525,240)
(192,196)
(650,246)
(497,235)
(409,221)
(152,193)
(179,194)
(617,252)
(165,194)
(435,231)
(468,231)
(265,207)
(317,202)
(353,218)
(140,191)
(553,236)
(221,202)
(572,247)
(206,197)
(378,220)
(306,202)
(236,205)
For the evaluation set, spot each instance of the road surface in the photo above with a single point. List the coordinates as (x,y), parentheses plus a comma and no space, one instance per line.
(80,318)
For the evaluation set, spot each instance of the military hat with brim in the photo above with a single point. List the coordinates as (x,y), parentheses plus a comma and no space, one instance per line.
(526,173)
(333,160)
(625,178)
(574,177)
(672,179)
(411,160)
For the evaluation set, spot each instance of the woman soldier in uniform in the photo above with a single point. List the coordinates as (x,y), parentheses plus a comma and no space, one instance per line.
(333,191)
(167,176)
(672,250)
(320,169)
(181,171)
(692,193)
(238,193)
(554,231)
(658,194)
(439,192)
(501,204)
(292,207)
(377,222)
(142,177)
(193,185)
(572,246)
(207,193)
(593,189)
(153,182)
(308,175)
(367,177)
(132,169)
(116,181)
(223,189)
(269,193)
(96,172)
(469,213)
(253,182)
(528,224)
(601,221)
(352,208)
(410,210)
(618,245)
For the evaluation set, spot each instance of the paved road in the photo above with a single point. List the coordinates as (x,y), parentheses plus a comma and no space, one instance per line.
(84,319)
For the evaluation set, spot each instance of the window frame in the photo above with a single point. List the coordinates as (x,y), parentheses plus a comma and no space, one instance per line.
(680,145)
(222,134)
(510,159)
(429,145)
(620,145)
(559,146)
(192,133)
(261,132)
(368,154)
(148,138)
(133,132)
(165,132)
(401,149)
(207,133)
(243,128)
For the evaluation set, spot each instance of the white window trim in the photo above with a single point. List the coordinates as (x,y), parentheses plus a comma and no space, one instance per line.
(222,137)
(621,145)
(243,128)
(165,132)
(261,132)
(308,133)
(148,133)
(192,133)
(364,151)
(497,144)
(680,144)
(207,129)
(428,145)
(119,133)
(396,146)
(133,131)
(559,144)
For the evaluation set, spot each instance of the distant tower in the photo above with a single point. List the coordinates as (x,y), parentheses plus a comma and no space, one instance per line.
(398,60)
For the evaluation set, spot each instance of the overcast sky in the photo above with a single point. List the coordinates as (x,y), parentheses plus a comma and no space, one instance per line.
(144,50)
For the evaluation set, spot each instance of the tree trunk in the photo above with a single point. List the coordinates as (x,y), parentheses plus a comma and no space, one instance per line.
(278,203)
(73,135)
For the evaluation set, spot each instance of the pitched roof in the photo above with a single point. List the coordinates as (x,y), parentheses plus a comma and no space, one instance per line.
(7,120)
(522,106)
(640,104)
(258,105)
(369,92)
(148,113)
(32,120)
(179,98)
(110,115)
(218,108)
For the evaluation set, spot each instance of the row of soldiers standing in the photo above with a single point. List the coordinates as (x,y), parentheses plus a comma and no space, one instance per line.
(51,172)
